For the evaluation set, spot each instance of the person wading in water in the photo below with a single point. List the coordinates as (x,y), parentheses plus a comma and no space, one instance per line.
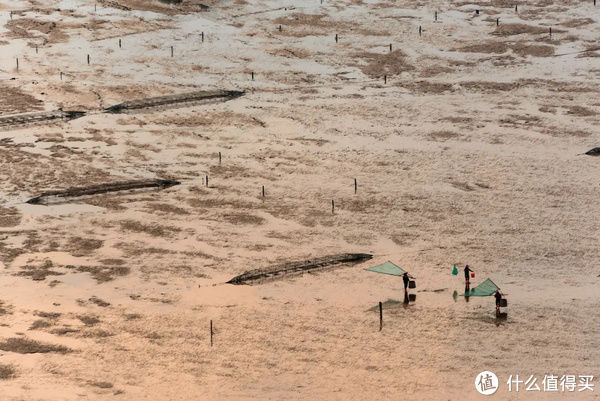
(406,278)
(467,271)
(498,297)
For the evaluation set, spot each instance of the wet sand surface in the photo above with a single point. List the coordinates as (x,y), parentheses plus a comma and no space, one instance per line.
(466,145)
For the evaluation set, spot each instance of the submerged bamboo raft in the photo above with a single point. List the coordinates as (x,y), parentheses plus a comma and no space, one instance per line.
(278,271)
(38,117)
(593,152)
(44,197)
(171,100)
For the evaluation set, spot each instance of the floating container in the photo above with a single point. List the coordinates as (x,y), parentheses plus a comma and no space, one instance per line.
(412,284)
(503,303)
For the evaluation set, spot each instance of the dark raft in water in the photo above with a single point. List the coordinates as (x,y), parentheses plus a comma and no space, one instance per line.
(17,120)
(174,100)
(44,197)
(289,268)
(593,152)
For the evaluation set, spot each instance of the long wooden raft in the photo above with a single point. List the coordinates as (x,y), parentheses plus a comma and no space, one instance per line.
(101,189)
(39,117)
(169,100)
(280,270)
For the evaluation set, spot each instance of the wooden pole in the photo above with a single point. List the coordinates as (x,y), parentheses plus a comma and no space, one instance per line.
(207,180)
(211,334)
(94,7)
(88,59)
(516,8)
(252,75)
(11,15)
(385,79)
(332,206)
(390,47)
(436,15)
(497,21)
(202,37)
(17,64)
(550,31)
(61,74)
(36,49)
(420,30)
(380,316)
(355,186)
(336,38)
(279,28)
(171,51)
(219,158)
(263,191)
(119,43)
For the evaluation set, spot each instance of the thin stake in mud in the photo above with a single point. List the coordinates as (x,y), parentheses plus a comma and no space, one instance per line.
(380,316)
(252,75)
(171,51)
(332,206)
(11,15)
(550,31)
(119,43)
(336,38)
(390,47)
(355,186)
(36,49)
(202,37)
(516,8)
(95,7)
(219,158)
(17,64)
(211,334)
(385,79)
(88,59)
(420,30)
(497,21)
(436,16)
(279,28)
(263,191)
(61,74)
(207,180)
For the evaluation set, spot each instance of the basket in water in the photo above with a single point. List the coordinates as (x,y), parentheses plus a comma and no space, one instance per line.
(412,284)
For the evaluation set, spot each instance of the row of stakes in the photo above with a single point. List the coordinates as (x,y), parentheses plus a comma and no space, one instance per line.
(280,28)
(435,16)
(206,183)
(120,46)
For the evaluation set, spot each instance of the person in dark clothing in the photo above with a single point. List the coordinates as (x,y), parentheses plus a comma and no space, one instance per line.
(406,278)
(467,271)
(498,297)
